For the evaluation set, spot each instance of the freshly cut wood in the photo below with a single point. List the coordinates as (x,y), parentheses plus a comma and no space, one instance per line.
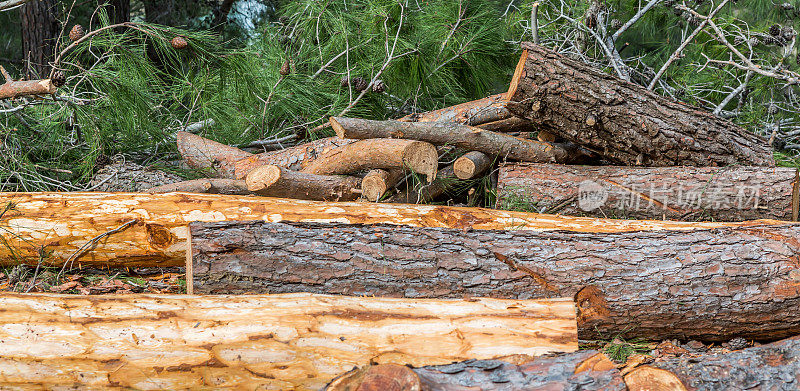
(298,341)
(646,284)
(586,370)
(385,153)
(622,121)
(377,182)
(464,136)
(208,155)
(293,158)
(274,181)
(84,227)
(20,88)
(488,113)
(471,165)
(205,185)
(422,193)
(732,193)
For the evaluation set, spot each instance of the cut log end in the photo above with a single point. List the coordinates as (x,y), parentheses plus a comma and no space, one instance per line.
(422,158)
(649,378)
(377,182)
(518,71)
(471,165)
(337,127)
(262,177)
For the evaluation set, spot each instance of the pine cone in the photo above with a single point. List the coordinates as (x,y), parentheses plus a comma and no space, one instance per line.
(179,42)
(378,87)
(788,33)
(616,24)
(774,30)
(58,79)
(76,33)
(286,68)
(345,82)
(694,21)
(359,84)
(769,40)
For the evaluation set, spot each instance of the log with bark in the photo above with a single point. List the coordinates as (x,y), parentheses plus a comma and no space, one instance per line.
(471,165)
(274,181)
(209,156)
(464,136)
(135,229)
(298,341)
(775,366)
(733,193)
(377,182)
(386,153)
(703,284)
(489,113)
(20,88)
(204,185)
(624,122)
(422,193)
(293,158)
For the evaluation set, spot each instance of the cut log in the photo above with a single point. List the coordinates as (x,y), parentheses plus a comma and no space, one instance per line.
(586,370)
(274,181)
(464,136)
(624,122)
(209,156)
(733,193)
(293,158)
(385,153)
(17,89)
(644,284)
(205,185)
(377,182)
(471,165)
(488,113)
(83,227)
(423,193)
(284,342)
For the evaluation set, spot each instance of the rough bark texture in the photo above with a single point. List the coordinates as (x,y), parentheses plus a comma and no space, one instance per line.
(208,155)
(377,182)
(16,89)
(293,158)
(585,370)
(279,342)
(464,136)
(119,11)
(490,111)
(733,193)
(471,165)
(622,121)
(39,31)
(385,153)
(274,181)
(422,193)
(645,284)
(62,223)
(205,185)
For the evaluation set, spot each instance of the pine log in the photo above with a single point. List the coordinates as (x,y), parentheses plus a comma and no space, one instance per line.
(644,284)
(209,156)
(298,341)
(733,193)
(423,193)
(63,224)
(377,182)
(386,153)
(20,88)
(585,370)
(489,113)
(274,181)
(464,136)
(204,185)
(624,122)
(471,165)
(293,158)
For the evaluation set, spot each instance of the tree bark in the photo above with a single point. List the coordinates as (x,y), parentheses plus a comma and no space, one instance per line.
(208,155)
(293,158)
(644,284)
(622,121)
(40,29)
(377,182)
(61,224)
(387,153)
(274,181)
(422,193)
(159,11)
(297,341)
(16,89)
(119,11)
(464,136)
(488,113)
(471,165)
(733,193)
(205,185)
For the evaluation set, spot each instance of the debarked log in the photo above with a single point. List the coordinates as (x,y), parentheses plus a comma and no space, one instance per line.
(711,284)
(733,193)
(274,181)
(137,229)
(489,113)
(204,185)
(297,341)
(209,156)
(293,158)
(20,88)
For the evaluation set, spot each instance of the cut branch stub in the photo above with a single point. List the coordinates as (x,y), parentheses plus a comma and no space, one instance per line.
(274,181)
(471,165)
(208,155)
(377,182)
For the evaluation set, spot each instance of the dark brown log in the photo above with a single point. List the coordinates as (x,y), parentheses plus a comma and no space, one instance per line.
(450,133)
(293,158)
(208,155)
(645,284)
(422,193)
(16,89)
(624,122)
(586,370)
(39,30)
(387,153)
(274,181)
(205,185)
(733,193)
(471,165)
(377,182)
